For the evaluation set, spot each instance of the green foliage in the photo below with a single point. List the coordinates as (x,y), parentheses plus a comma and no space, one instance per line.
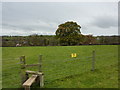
(31,40)
(108,39)
(52,40)
(69,33)
(88,39)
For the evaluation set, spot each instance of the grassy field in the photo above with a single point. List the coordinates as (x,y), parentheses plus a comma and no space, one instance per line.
(62,71)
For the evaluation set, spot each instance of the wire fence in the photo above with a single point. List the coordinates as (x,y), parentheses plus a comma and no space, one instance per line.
(57,69)
(15,61)
(85,64)
(66,59)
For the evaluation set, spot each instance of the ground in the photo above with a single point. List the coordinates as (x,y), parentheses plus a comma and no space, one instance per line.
(62,71)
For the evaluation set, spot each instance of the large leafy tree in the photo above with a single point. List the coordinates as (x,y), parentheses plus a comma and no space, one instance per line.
(69,33)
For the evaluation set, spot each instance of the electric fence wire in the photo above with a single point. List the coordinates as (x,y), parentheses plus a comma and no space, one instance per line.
(70,65)
(9,59)
(62,73)
(109,55)
(82,59)
(105,56)
(10,65)
(56,61)
(13,68)
(67,60)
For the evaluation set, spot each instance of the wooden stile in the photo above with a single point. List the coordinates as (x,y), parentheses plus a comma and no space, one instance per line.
(36,76)
(29,82)
(40,77)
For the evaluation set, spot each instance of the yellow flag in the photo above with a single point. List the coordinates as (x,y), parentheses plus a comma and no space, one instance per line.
(73,55)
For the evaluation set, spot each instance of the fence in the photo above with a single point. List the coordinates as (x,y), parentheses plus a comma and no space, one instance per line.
(75,66)
(59,69)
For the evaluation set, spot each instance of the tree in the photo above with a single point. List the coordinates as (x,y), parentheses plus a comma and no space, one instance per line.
(68,33)
(89,39)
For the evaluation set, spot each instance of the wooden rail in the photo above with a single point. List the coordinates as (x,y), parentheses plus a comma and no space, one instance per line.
(33,72)
(29,82)
(30,65)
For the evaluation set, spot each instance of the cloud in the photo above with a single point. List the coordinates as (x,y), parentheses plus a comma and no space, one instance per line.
(105,21)
(27,28)
(43,18)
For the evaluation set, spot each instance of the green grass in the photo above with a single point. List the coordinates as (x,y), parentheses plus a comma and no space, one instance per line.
(62,71)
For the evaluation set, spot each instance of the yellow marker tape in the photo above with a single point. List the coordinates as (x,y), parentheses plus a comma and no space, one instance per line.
(73,55)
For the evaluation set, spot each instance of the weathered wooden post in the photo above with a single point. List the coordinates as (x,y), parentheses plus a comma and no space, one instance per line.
(24,76)
(42,80)
(40,63)
(21,72)
(93,61)
(41,76)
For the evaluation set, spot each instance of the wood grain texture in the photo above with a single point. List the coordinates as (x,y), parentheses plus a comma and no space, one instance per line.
(30,81)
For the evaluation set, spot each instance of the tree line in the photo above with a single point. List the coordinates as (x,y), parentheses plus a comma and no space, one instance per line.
(67,34)
(51,40)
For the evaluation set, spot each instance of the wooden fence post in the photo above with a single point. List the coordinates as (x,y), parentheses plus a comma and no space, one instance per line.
(93,61)
(24,75)
(41,80)
(40,62)
(41,76)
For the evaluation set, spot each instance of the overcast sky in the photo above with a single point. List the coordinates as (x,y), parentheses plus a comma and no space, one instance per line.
(25,18)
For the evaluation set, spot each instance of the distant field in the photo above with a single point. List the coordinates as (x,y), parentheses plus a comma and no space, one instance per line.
(62,71)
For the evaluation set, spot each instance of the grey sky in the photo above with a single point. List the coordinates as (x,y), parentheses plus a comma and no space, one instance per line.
(25,18)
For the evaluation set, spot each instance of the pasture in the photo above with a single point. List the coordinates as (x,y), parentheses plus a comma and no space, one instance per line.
(62,71)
